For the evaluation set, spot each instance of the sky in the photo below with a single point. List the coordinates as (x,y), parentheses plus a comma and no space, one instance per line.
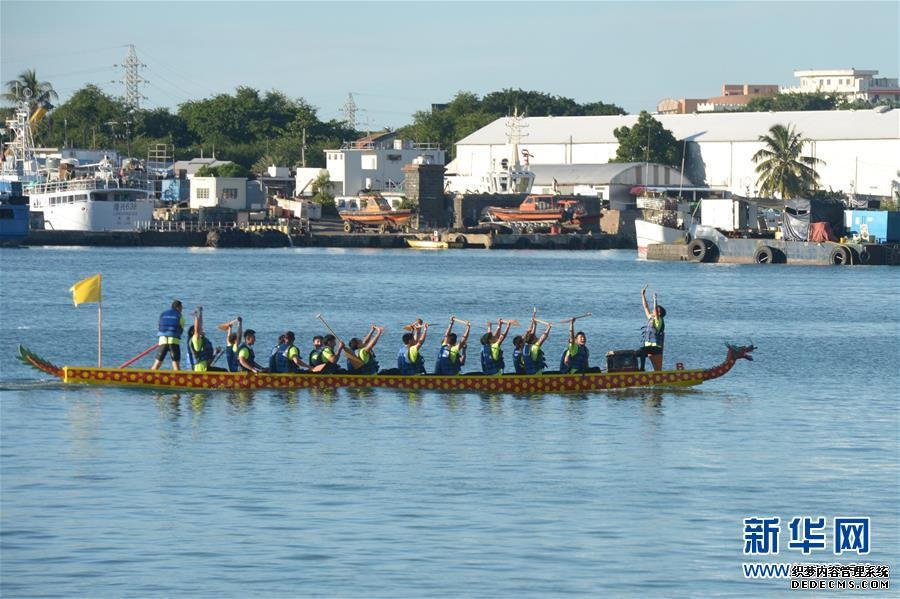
(397,58)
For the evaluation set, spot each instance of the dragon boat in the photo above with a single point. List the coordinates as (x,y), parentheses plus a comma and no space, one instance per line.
(507,383)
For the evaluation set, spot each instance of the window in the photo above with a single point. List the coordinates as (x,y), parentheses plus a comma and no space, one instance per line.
(230,193)
(203,193)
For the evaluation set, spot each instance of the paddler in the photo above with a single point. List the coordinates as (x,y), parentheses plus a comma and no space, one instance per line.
(287,360)
(246,356)
(361,358)
(654,332)
(452,355)
(199,346)
(315,355)
(330,356)
(409,359)
(491,353)
(232,339)
(171,325)
(575,358)
(533,354)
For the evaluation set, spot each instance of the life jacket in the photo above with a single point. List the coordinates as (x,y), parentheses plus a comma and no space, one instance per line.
(535,366)
(651,335)
(370,367)
(444,365)
(170,324)
(519,360)
(279,361)
(488,364)
(577,363)
(330,367)
(251,357)
(315,357)
(273,358)
(407,366)
(231,359)
(204,355)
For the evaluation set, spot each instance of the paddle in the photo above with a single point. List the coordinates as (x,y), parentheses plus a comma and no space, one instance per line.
(227,325)
(466,322)
(574,318)
(414,326)
(512,323)
(545,322)
(139,356)
(216,357)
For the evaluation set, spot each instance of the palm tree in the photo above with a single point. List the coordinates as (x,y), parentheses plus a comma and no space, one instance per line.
(41,91)
(780,166)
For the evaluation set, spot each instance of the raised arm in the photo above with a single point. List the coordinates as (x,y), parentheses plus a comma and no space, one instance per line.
(571,331)
(373,340)
(198,321)
(444,341)
(465,337)
(421,339)
(546,334)
(644,302)
(503,335)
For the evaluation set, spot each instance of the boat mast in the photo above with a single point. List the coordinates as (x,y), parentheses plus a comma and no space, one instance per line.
(19,160)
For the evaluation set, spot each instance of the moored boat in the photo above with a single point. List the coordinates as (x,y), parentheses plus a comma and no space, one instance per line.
(545,211)
(374,212)
(508,383)
(14,214)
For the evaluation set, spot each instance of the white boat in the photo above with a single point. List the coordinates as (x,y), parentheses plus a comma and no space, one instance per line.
(72,197)
(668,214)
(649,233)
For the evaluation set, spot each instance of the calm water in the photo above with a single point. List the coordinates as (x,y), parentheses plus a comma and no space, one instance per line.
(109,492)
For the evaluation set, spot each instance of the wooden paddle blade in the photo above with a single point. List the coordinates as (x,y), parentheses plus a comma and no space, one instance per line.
(224,325)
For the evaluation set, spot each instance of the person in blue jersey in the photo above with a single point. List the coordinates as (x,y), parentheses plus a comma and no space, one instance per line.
(245,354)
(361,357)
(654,332)
(409,359)
(575,358)
(533,358)
(232,341)
(200,348)
(452,355)
(171,326)
(287,358)
(276,350)
(491,352)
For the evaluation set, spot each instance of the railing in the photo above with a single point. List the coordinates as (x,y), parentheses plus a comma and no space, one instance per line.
(88,185)
(300,227)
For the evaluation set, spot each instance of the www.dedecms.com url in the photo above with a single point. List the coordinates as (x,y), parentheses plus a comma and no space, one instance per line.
(824,576)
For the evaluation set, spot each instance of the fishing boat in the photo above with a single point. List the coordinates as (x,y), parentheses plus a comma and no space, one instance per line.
(508,383)
(71,196)
(374,212)
(544,211)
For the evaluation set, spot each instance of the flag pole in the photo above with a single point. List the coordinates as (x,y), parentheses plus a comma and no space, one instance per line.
(99,334)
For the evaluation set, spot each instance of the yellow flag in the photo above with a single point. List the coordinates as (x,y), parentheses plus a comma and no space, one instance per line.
(87,290)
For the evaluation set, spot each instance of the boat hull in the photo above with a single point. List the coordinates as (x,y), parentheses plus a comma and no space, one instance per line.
(649,233)
(510,383)
(427,244)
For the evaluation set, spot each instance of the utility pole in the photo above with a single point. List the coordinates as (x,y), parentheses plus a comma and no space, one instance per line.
(303,149)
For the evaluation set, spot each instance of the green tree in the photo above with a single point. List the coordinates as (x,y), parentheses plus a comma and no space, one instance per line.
(229,169)
(648,141)
(91,118)
(780,166)
(792,102)
(322,194)
(41,91)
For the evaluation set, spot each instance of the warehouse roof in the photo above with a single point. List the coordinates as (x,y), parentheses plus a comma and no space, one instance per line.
(706,127)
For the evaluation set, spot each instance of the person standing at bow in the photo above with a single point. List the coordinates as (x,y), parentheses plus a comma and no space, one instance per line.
(452,355)
(654,331)
(171,325)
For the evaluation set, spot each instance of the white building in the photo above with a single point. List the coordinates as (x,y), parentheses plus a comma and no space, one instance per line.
(376,165)
(853,84)
(224,192)
(860,149)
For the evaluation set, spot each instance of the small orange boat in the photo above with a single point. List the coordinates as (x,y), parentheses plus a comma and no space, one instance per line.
(374,212)
(545,209)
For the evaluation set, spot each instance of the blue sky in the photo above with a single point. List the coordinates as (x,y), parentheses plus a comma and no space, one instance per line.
(400,57)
